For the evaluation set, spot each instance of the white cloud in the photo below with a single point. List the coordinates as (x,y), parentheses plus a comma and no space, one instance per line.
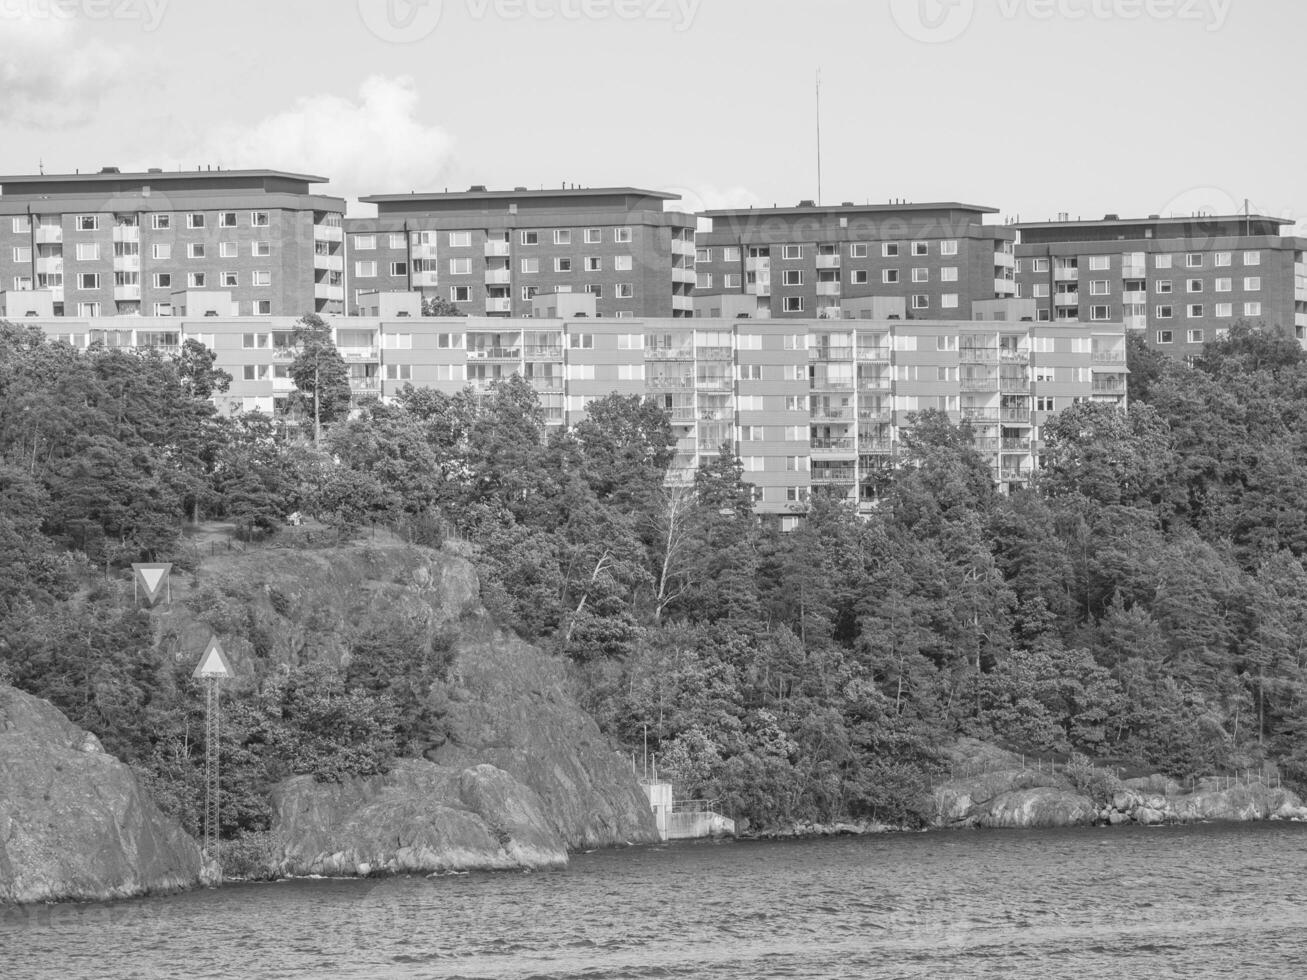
(373,144)
(50,78)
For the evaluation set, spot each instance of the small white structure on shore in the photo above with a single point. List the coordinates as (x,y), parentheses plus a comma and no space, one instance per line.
(684,819)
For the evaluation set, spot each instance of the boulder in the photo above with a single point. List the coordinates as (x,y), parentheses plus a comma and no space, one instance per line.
(75,823)
(1036,807)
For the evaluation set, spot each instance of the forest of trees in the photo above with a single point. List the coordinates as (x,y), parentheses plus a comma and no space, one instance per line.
(1144,602)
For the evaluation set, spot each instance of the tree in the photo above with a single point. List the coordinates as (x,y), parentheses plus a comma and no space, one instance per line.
(320,374)
(439,306)
(199,378)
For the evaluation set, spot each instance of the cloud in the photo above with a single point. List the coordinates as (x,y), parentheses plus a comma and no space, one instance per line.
(374,144)
(49,76)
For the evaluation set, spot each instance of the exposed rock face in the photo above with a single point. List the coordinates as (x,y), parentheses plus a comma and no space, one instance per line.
(417,817)
(1039,806)
(74,822)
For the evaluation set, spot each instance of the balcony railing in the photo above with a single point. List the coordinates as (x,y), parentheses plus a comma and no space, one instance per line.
(842,444)
(714,384)
(978,384)
(669,353)
(1021,415)
(497,277)
(49,234)
(496,249)
(1016,385)
(980,414)
(668,383)
(1066,299)
(1016,445)
(548,352)
(875,415)
(126,233)
(494,353)
(1010,356)
(1109,357)
(874,445)
(828,477)
(876,384)
(329,233)
(364,384)
(1110,385)
(830,352)
(831,384)
(880,355)
(713,353)
(494,305)
(978,355)
(828,261)
(831,413)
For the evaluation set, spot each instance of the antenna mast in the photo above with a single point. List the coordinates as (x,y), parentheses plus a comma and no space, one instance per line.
(819,137)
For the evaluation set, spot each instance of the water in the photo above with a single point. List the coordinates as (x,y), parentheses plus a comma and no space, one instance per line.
(1210,901)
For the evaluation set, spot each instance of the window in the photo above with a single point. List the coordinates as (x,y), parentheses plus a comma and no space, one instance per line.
(229,280)
(1193,286)
(398,240)
(258,219)
(529,292)
(1161,261)
(1195,336)
(21,225)
(399,268)
(196,280)
(399,372)
(530,266)
(88,309)
(1039,265)
(594,289)
(920,248)
(581,341)
(1100,313)
(703,280)
(1165,336)
(731,253)
(88,251)
(793,277)
(860,277)
(949,301)
(1224,284)
(562,265)
(87,222)
(948,274)
(260,250)
(949,247)
(460,267)
(366,269)
(227,250)
(858,250)
(1225,309)
(1163,312)
(365,243)
(226,219)
(1098,287)
(622,263)
(793,304)
(593,236)
(163,309)
(460,294)
(796,463)
(195,220)
(630,341)
(195,250)
(1252,284)
(1222,258)
(622,235)
(163,280)
(1252,258)
(1100,263)
(1194,310)
(22,283)
(1163,285)
(792,252)
(22,254)
(262,278)
(1193,260)
(530,238)
(88,280)
(1252,309)
(448,341)
(1039,290)
(262,307)
(920,275)
(562,236)
(889,250)
(624,290)
(889,275)
(460,239)
(920,301)
(160,222)
(1044,403)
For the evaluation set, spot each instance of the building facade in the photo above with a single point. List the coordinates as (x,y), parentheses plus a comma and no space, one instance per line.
(808,405)
(801,262)
(1179,281)
(121,244)
(490,252)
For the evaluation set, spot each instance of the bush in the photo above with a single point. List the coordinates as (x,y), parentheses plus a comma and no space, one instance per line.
(1100,785)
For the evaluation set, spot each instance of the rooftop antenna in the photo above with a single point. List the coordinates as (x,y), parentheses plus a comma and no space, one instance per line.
(819,137)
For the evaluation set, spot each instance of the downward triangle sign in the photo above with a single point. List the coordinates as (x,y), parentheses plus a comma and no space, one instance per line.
(214,663)
(152,577)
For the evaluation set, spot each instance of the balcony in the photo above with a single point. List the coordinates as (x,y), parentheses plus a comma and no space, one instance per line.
(872,444)
(357,354)
(127,292)
(839,445)
(831,413)
(1014,476)
(426,278)
(544,352)
(830,384)
(1066,299)
(282,386)
(1110,384)
(683,303)
(685,275)
(126,263)
(52,265)
(826,478)
(876,355)
(682,247)
(323,290)
(978,384)
(668,383)
(424,251)
(828,261)
(760,264)
(328,233)
(1133,270)
(49,234)
(1109,357)
(1005,260)
(496,249)
(1300,319)
(714,384)
(330,263)
(548,384)
(713,353)
(986,444)
(875,415)
(1135,322)
(828,288)
(678,476)
(498,277)
(1016,445)
(1008,356)
(1014,384)
(364,386)
(978,355)
(669,353)
(830,352)
(1019,415)
(1005,287)
(1064,274)
(1135,296)
(126,233)
(494,353)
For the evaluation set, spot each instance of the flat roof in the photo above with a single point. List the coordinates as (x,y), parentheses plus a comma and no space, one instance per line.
(1154,220)
(155,175)
(848,208)
(497,195)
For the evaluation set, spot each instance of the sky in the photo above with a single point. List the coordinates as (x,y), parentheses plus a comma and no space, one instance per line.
(1034,107)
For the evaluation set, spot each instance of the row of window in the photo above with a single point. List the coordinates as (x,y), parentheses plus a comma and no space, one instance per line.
(857,250)
(90,251)
(258,307)
(367,268)
(919,301)
(795,277)
(1103,287)
(161,221)
(463,239)
(162,280)
(1161,260)
(1191,336)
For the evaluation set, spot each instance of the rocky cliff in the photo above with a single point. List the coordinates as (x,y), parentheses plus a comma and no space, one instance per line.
(74,822)
(997,789)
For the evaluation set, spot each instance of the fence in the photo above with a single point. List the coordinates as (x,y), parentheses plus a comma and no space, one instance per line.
(1055,765)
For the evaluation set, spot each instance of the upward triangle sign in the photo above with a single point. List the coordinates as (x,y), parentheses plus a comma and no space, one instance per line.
(214,663)
(152,577)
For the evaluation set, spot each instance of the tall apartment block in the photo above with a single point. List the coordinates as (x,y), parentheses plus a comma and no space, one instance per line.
(808,405)
(1181,281)
(113,243)
(801,262)
(490,252)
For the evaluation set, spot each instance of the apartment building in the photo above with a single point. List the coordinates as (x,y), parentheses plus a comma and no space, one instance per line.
(121,244)
(808,405)
(490,252)
(801,262)
(1181,281)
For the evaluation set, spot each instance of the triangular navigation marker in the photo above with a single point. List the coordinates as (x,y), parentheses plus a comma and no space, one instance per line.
(151,577)
(214,663)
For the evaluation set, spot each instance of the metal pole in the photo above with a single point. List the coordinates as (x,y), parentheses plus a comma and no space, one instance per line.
(211,786)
